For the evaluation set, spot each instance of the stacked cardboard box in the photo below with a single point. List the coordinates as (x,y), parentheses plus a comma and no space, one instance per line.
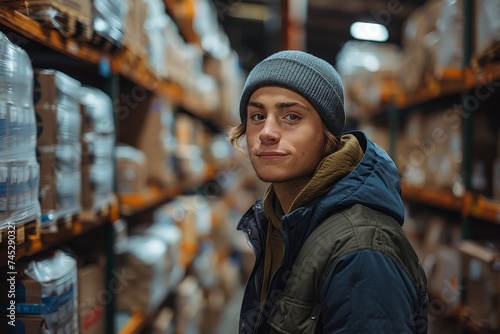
(58,145)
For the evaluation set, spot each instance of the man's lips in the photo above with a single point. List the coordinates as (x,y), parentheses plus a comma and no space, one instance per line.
(270,155)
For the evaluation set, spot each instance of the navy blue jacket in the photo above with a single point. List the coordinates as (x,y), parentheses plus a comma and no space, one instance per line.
(366,290)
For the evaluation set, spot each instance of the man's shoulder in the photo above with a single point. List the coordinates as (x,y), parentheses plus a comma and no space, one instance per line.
(356,219)
(354,228)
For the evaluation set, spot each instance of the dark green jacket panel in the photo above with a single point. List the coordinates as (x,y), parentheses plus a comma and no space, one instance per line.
(303,307)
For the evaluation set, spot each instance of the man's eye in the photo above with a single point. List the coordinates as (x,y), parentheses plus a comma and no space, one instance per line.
(257,117)
(292,117)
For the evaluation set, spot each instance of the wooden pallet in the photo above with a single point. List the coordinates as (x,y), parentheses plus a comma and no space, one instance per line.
(103,44)
(60,222)
(70,22)
(107,211)
(19,233)
(487,55)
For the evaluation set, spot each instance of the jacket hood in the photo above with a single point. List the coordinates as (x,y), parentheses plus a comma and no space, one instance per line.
(374,182)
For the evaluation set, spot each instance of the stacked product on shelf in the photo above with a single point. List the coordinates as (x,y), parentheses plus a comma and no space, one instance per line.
(419,39)
(192,215)
(70,18)
(58,145)
(430,150)
(19,171)
(155,23)
(98,142)
(378,65)
(131,164)
(92,297)
(184,64)
(158,143)
(47,295)
(108,17)
(487,32)
(191,167)
(481,276)
(149,258)
(224,66)
(134,34)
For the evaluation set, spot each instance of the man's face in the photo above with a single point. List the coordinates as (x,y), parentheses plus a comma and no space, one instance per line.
(284,135)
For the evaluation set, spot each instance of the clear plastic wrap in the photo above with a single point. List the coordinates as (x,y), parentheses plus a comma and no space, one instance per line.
(155,24)
(59,149)
(57,107)
(449,49)
(150,258)
(19,172)
(419,41)
(60,183)
(97,113)
(145,260)
(109,19)
(51,291)
(98,143)
(488,23)
(97,185)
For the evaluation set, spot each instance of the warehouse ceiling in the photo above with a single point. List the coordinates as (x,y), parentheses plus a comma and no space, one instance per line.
(255,29)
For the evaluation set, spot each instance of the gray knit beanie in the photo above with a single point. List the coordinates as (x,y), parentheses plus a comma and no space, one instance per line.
(312,77)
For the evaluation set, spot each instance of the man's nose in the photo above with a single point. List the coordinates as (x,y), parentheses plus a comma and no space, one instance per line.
(270,131)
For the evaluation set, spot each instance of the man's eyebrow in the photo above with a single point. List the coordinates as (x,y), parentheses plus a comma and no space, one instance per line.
(279,105)
(282,105)
(256,104)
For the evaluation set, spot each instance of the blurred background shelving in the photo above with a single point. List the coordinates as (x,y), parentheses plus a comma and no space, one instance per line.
(117,181)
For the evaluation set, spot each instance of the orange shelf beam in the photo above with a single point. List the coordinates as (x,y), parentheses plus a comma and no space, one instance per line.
(149,197)
(134,324)
(480,207)
(437,197)
(50,37)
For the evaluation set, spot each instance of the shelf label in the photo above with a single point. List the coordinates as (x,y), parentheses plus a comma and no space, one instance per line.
(104,67)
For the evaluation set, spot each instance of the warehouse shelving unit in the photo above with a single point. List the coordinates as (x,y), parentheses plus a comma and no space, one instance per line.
(478,212)
(110,69)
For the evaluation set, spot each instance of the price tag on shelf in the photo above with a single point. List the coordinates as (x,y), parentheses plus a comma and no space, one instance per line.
(104,67)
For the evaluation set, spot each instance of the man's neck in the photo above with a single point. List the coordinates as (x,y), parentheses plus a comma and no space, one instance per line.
(286,192)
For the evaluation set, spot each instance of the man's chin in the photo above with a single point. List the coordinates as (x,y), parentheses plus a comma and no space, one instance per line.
(271,178)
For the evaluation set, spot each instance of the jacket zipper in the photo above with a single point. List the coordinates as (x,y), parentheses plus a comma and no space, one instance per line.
(248,234)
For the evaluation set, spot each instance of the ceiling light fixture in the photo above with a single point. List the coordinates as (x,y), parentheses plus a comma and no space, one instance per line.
(369,31)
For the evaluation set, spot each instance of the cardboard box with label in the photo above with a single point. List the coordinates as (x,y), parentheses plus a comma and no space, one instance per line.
(481,273)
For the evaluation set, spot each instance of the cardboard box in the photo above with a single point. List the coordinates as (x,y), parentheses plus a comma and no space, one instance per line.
(154,140)
(56,108)
(131,176)
(91,299)
(60,178)
(97,185)
(97,148)
(135,37)
(28,325)
(35,308)
(146,261)
(481,273)
(443,279)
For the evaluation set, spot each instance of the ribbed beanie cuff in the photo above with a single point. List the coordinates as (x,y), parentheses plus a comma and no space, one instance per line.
(313,78)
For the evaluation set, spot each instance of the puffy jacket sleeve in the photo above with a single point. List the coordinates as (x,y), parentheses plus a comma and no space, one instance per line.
(368,292)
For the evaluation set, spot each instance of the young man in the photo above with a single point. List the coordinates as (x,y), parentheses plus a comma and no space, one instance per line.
(331,256)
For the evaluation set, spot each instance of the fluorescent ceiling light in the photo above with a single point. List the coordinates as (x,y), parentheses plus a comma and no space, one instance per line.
(369,31)
(371,63)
